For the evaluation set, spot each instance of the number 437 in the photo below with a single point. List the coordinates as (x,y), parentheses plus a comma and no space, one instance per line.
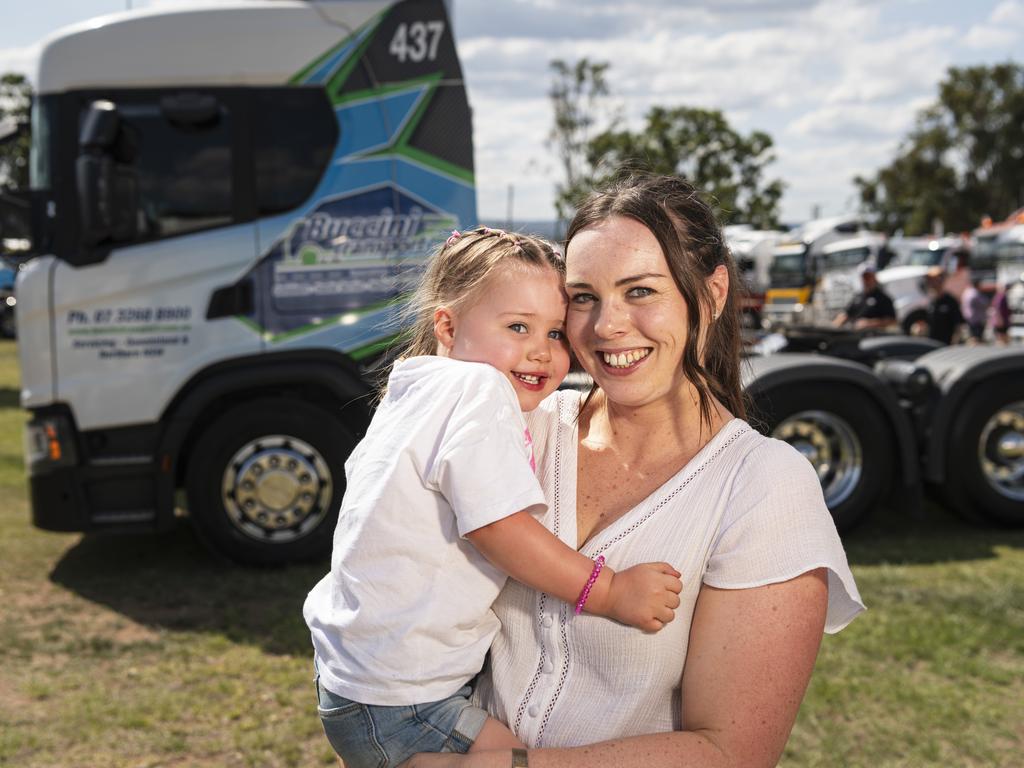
(416,41)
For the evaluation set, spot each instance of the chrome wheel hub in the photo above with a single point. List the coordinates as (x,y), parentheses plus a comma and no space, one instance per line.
(276,488)
(1001,451)
(832,447)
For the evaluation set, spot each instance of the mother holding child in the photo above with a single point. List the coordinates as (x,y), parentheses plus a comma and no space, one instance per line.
(672,569)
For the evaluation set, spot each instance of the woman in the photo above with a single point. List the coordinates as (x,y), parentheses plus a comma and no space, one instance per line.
(657,464)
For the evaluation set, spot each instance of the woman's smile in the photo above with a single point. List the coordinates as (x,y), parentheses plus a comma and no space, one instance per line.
(624,361)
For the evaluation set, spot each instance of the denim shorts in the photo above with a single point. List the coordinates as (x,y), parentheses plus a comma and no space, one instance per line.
(374,736)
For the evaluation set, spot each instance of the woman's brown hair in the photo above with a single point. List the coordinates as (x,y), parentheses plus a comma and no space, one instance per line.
(694,246)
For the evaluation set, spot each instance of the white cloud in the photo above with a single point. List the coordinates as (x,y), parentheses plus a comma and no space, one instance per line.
(21,60)
(1004,29)
(1009,12)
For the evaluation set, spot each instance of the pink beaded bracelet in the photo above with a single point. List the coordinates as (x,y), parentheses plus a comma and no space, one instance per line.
(598,565)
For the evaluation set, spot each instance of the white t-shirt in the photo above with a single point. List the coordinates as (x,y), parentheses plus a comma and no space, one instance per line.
(404,617)
(746,511)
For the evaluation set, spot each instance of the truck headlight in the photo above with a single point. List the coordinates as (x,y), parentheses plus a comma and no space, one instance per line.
(48,441)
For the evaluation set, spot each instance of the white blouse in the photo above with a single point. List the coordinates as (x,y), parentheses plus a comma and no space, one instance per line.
(746,511)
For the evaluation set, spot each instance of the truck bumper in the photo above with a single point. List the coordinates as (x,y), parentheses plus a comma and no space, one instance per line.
(775,316)
(56,503)
(71,491)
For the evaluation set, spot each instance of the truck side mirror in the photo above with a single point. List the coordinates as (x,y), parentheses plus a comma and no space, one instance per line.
(99,129)
(107,190)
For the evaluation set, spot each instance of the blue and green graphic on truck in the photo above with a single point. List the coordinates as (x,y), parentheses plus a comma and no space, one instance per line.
(400,178)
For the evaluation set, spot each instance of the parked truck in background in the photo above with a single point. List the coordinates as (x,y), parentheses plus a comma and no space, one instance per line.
(883,417)
(1010,274)
(752,249)
(796,268)
(904,281)
(839,274)
(228,202)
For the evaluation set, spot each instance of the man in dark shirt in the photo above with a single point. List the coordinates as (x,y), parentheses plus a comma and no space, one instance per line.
(944,315)
(872,307)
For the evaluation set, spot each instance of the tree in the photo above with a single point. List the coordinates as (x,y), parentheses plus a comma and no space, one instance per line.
(963,160)
(15,106)
(575,95)
(698,144)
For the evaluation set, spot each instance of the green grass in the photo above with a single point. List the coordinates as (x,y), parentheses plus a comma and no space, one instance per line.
(146,651)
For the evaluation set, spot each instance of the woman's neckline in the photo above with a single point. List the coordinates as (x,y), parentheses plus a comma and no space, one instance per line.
(728,426)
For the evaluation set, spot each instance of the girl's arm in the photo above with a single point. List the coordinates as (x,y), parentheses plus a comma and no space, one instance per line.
(643,596)
(750,657)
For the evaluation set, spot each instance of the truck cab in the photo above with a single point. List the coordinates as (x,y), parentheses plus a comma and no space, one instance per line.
(796,268)
(904,281)
(752,250)
(839,280)
(1009,255)
(230,202)
(985,242)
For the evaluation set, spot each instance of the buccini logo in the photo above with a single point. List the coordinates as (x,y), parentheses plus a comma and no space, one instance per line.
(325,241)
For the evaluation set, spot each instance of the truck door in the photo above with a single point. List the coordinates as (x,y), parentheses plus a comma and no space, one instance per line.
(165,220)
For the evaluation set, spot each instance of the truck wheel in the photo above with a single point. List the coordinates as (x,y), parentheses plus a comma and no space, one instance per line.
(265,481)
(985,463)
(844,436)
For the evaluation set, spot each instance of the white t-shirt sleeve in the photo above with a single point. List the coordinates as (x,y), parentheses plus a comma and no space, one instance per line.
(482,463)
(777,527)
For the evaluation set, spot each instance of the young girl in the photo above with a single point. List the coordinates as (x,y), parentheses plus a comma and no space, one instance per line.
(440,506)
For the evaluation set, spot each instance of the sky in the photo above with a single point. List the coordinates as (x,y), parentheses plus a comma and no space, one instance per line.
(836,83)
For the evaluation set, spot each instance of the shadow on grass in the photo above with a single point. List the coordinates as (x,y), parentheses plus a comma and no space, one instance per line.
(895,538)
(170,581)
(10,397)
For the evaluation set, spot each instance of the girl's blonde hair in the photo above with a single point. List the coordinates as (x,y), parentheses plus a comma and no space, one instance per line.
(459,269)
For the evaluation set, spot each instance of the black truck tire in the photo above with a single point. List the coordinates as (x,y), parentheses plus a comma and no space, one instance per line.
(984,463)
(845,437)
(265,481)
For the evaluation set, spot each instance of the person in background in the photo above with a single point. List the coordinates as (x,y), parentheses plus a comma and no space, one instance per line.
(959,280)
(999,316)
(944,316)
(872,307)
(974,308)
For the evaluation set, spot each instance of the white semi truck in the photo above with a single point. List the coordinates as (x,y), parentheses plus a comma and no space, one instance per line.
(228,201)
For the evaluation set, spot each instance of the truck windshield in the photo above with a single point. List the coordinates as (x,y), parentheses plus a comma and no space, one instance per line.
(788,264)
(1010,253)
(788,270)
(925,257)
(984,255)
(850,257)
